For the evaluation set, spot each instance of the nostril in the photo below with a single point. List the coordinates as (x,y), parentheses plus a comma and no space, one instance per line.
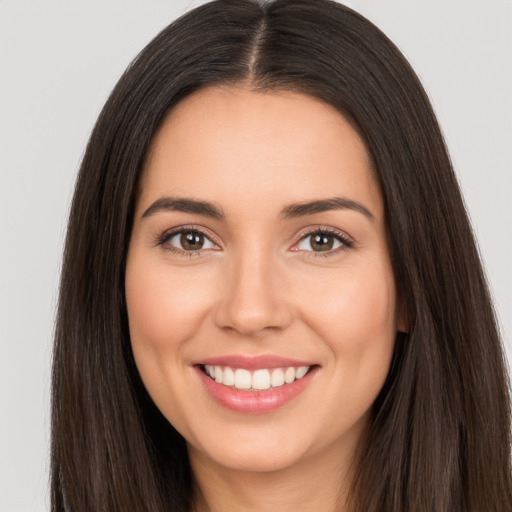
(249,319)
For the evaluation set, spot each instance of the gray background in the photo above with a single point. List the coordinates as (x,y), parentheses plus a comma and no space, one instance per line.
(58,61)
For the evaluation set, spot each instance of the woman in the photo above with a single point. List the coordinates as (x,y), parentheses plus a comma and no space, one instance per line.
(270,285)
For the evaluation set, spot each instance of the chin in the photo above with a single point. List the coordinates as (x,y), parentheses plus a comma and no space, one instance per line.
(263,450)
(260,460)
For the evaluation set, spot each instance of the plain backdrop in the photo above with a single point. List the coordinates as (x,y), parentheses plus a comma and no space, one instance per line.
(59,59)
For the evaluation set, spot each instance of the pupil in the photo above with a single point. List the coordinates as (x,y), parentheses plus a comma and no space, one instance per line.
(192,241)
(322,242)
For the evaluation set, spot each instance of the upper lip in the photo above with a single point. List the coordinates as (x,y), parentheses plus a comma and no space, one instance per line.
(252,362)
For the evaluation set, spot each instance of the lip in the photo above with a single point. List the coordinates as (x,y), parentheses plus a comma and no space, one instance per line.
(252,362)
(254,402)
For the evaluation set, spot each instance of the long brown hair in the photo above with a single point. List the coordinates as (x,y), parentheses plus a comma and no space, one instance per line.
(439,440)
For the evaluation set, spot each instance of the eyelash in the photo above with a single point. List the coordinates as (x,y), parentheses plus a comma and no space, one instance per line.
(345,241)
(341,237)
(166,236)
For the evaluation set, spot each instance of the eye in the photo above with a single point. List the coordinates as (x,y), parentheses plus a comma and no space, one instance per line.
(188,240)
(323,241)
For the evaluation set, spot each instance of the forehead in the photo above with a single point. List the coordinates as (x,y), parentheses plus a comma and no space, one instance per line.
(222,143)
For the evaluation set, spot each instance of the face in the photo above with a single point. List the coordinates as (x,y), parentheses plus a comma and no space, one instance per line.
(260,295)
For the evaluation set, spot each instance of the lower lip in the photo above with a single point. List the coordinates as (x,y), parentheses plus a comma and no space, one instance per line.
(254,402)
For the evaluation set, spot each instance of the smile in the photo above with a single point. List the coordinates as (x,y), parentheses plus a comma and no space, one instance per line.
(258,380)
(254,385)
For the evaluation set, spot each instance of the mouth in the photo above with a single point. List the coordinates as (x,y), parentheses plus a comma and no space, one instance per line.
(257,380)
(254,386)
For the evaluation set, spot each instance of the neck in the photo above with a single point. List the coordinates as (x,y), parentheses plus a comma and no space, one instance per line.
(320,482)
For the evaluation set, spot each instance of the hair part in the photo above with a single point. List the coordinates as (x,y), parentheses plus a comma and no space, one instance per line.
(440,436)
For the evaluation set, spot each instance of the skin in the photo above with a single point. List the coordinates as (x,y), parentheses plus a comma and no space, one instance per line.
(259,288)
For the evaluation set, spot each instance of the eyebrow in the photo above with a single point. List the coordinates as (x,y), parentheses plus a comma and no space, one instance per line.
(292,211)
(186,205)
(323,205)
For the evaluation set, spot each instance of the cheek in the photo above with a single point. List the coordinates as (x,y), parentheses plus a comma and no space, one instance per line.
(164,307)
(355,316)
(361,338)
(353,303)
(165,310)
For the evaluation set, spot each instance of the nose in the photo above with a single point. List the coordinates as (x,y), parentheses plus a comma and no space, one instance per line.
(254,299)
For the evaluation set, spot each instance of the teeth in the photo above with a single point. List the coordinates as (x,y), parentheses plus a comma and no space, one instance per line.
(277,378)
(289,375)
(258,380)
(261,379)
(301,371)
(242,379)
(228,377)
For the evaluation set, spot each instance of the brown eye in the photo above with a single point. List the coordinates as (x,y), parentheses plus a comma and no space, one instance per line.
(190,241)
(323,241)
